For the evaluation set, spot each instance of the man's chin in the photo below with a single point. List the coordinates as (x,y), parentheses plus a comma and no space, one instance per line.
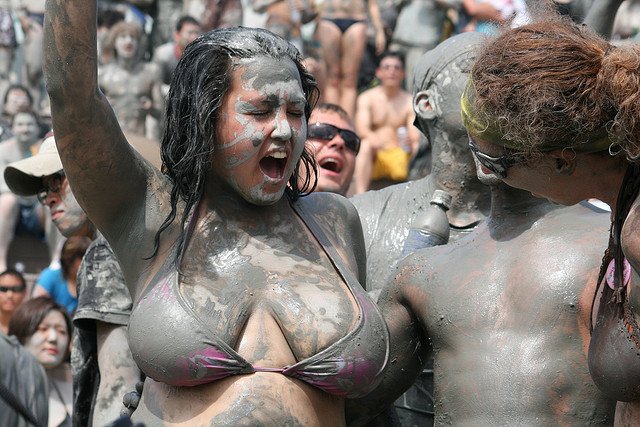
(329,186)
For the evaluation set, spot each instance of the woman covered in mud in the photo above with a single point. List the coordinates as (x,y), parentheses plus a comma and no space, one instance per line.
(247,304)
(554,109)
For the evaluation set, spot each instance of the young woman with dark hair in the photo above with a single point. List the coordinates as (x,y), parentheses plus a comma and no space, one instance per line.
(44,329)
(246,302)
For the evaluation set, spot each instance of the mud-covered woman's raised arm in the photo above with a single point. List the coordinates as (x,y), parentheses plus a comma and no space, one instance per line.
(108,178)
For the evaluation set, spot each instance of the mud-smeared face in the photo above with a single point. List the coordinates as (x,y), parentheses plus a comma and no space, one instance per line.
(539,177)
(262,129)
(126,45)
(188,33)
(66,213)
(50,341)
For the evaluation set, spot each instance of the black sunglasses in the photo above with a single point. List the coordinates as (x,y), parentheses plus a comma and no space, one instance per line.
(14,289)
(53,187)
(497,165)
(327,132)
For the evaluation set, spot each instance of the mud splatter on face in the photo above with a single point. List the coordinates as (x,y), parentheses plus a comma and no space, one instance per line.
(262,129)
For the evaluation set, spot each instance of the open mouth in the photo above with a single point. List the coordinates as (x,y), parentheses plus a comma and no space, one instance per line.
(274,165)
(331,164)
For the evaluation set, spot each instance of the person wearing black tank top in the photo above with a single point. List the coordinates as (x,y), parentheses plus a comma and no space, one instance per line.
(246,308)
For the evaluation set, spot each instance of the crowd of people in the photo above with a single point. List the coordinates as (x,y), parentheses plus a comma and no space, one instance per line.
(189,178)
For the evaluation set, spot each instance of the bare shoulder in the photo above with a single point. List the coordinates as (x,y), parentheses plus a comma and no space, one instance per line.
(331,205)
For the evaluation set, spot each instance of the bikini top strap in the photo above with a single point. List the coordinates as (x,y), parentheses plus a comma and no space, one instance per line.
(191,225)
(316,229)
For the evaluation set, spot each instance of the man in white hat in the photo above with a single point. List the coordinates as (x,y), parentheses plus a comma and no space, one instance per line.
(102,365)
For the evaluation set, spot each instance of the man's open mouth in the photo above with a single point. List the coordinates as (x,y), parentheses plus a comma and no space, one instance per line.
(331,164)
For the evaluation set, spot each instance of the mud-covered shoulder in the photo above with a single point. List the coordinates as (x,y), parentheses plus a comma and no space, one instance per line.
(340,221)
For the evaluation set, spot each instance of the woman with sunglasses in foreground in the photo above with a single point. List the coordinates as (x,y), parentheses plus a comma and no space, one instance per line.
(554,109)
(247,307)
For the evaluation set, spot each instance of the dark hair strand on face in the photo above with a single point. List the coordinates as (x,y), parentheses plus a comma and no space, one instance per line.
(200,82)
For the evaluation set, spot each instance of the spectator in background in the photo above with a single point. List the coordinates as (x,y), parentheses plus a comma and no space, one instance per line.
(43,328)
(342,33)
(107,18)
(60,284)
(384,120)
(16,98)
(215,13)
(420,26)
(168,54)
(103,368)
(18,211)
(133,86)
(13,289)
(332,139)
(22,376)
(8,44)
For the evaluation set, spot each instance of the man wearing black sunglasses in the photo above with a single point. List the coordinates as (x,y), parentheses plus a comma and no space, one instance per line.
(334,143)
(102,365)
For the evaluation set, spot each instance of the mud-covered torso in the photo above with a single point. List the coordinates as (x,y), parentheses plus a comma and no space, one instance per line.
(128,91)
(257,298)
(279,273)
(509,323)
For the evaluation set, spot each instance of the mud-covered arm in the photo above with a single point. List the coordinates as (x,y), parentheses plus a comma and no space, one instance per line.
(108,178)
(408,347)
(118,372)
(601,15)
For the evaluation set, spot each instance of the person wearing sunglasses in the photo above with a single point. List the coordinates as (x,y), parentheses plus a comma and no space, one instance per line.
(104,303)
(334,143)
(13,289)
(505,309)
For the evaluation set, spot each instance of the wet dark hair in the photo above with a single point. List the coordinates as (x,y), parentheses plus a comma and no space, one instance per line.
(186,19)
(16,274)
(17,86)
(200,82)
(28,316)
(72,249)
(390,54)
(334,108)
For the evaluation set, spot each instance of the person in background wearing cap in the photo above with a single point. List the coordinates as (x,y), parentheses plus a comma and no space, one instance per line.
(18,211)
(103,368)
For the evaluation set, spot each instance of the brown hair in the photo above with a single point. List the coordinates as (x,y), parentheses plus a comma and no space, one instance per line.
(122,27)
(328,107)
(557,81)
(28,316)
(72,249)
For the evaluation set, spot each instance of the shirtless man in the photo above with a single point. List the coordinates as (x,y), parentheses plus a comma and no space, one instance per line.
(384,120)
(505,309)
(167,55)
(132,85)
